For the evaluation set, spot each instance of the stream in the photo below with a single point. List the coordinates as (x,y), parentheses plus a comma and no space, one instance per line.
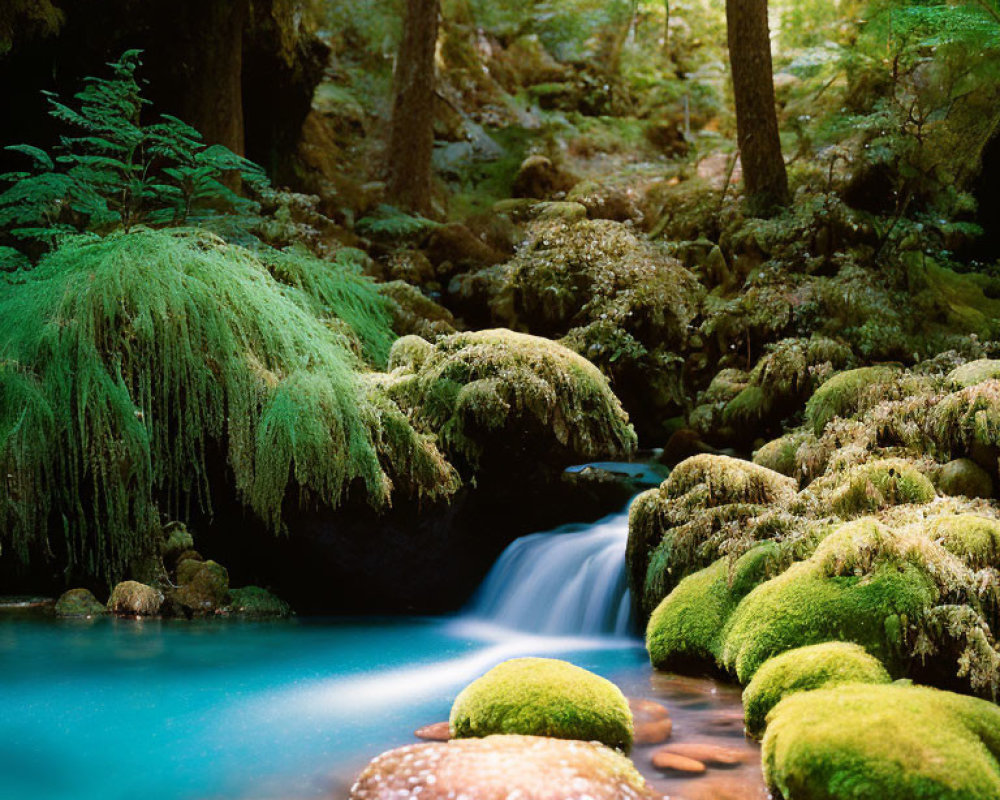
(112,709)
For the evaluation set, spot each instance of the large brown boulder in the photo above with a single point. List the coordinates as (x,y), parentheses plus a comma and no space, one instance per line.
(502,767)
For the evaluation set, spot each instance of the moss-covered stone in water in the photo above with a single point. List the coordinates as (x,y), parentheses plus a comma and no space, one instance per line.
(974,372)
(203,586)
(880,484)
(891,742)
(864,584)
(543,697)
(79,603)
(804,669)
(964,477)
(845,394)
(134,599)
(253,602)
(687,626)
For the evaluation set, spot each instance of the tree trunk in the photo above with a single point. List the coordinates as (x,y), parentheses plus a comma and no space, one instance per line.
(411,134)
(666,32)
(764,175)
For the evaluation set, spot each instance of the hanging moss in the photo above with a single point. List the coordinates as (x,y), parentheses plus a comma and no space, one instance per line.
(127,361)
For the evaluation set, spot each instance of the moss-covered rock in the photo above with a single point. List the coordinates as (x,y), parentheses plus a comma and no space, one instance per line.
(498,391)
(805,669)
(79,603)
(134,599)
(781,454)
(203,587)
(864,584)
(968,419)
(964,477)
(253,602)
(414,313)
(891,742)
(970,537)
(974,372)
(673,529)
(880,484)
(543,697)
(687,626)
(847,393)
(524,767)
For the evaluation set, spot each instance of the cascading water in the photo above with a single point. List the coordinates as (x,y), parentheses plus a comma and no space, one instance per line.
(567,582)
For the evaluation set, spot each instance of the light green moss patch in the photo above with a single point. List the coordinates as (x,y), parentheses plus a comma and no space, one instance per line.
(974,539)
(845,394)
(543,697)
(880,484)
(804,669)
(887,742)
(974,372)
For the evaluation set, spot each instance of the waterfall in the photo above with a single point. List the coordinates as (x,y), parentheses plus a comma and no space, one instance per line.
(569,581)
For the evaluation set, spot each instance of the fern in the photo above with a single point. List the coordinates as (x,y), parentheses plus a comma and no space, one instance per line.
(390,223)
(110,172)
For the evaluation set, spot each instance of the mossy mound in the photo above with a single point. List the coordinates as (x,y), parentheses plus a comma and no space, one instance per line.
(880,484)
(129,363)
(543,697)
(972,538)
(984,369)
(888,742)
(967,419)
(79,603)
(414,313)
(805,669)
(864,584)
(683,525)
(499,391)
(964,477)
(203,587)
(177,540)
(782,454)
(253,602)
(134,599)
(848,393)
(687,626)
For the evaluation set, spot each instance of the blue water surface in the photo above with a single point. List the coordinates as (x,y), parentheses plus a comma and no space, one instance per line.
(113,709)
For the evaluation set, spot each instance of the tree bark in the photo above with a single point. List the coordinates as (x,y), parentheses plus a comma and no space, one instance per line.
(666,32)
(411,134)
(764,176)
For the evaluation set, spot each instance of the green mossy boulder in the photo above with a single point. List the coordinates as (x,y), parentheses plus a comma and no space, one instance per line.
(780,455)
(671,528)
(974,539)
(805,669)
(254,602)
(492,392)
(864,584)
(896,742)
(963,477)
(203,587)
(134,599)
(880,484)
(79,603)
(687,626)
(974,372)
(847,393)
(543,697)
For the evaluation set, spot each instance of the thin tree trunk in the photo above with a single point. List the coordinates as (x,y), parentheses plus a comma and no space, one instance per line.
(411,134)
(666,32)
(764,176)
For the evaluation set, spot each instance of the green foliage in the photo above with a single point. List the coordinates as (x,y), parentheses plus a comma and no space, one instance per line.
(805,669)
(543,697)
(878,484)
(894,742)
(128,362)
(112,172)
(389,223)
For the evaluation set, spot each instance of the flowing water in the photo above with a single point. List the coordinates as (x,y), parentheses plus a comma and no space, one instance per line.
(169,710)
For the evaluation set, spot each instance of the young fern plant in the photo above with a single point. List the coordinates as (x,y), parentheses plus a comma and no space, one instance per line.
(112,172)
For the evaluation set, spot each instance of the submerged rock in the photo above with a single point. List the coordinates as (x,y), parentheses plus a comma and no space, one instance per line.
(134,599)
(79,603)
(501,768)
(543,697)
